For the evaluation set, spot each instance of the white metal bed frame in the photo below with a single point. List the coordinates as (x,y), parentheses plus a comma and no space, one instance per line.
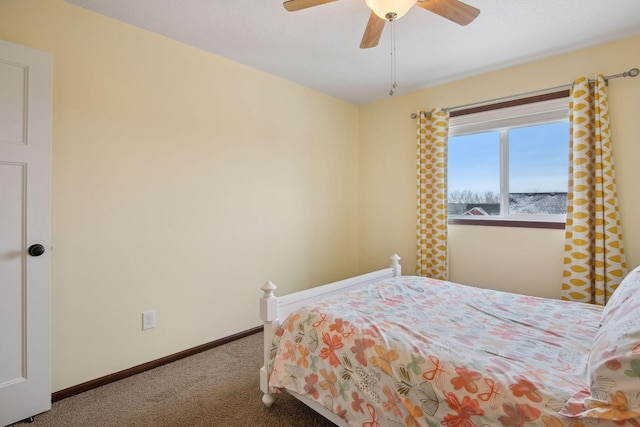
(274,310)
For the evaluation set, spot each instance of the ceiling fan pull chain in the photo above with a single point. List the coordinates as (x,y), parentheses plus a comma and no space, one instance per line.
(394,84)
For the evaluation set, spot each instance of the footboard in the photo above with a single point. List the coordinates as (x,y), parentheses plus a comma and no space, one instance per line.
(274,310)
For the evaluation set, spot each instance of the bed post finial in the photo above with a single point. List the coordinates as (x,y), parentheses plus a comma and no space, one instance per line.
(268,289)
(395,264)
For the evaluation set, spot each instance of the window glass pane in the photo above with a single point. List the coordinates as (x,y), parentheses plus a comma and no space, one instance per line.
(538,169)
(474,174)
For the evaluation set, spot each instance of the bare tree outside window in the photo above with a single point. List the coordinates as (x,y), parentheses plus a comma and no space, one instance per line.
(460,200)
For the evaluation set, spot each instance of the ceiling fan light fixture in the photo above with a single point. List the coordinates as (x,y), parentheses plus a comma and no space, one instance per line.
(390,8)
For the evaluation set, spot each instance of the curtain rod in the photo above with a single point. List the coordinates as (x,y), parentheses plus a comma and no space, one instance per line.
(631,73)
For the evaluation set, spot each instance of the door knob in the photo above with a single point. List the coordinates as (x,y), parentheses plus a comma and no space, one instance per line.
(36,250)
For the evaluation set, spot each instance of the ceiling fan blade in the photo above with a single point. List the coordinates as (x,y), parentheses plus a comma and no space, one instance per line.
(453,10)
(373,32)
(293,5)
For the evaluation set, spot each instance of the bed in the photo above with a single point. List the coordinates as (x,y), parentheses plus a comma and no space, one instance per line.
(384,349)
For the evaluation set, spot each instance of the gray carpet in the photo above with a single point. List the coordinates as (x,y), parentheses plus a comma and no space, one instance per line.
(218,387)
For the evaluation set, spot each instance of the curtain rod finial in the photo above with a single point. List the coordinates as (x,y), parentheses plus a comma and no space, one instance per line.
(632,72)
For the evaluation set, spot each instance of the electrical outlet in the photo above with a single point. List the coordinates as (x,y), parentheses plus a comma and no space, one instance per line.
(148,319)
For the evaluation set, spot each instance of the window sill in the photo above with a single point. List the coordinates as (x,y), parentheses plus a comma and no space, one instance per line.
(507,223)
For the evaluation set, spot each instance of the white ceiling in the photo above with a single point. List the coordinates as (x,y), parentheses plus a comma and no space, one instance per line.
(319,47)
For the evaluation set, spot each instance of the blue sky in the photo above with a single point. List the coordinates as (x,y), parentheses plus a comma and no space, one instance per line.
(538,160)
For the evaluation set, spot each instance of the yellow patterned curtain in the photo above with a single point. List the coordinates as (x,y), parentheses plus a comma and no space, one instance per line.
(594,261)
(433,131)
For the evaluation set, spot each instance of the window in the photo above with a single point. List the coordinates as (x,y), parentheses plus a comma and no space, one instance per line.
(510,165)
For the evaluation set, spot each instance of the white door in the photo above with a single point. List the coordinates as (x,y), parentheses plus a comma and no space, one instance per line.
(25,197)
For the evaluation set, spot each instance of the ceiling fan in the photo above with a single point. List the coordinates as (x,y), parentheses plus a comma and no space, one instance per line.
(390,10)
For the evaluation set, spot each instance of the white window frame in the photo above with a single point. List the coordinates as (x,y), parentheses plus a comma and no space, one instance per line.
(501,120)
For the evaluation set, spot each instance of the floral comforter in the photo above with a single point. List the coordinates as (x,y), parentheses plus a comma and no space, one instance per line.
(421,352)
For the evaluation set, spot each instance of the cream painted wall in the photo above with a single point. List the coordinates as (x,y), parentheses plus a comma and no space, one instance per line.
(514,259)
(181,182)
